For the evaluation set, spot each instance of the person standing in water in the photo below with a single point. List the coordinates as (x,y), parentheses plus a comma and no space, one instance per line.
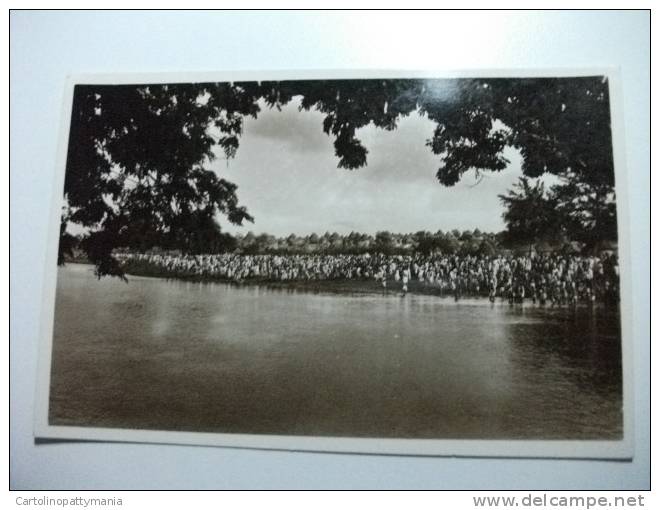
(404,280)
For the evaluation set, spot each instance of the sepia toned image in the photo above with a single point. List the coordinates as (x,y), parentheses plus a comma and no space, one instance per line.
(430,259)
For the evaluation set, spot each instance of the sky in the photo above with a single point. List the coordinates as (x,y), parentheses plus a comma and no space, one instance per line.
(287,177)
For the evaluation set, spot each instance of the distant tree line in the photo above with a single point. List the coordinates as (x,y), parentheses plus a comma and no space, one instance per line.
(452,242)
(466,242)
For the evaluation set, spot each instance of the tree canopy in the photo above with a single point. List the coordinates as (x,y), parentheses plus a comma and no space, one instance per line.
(138,165)
(531,214)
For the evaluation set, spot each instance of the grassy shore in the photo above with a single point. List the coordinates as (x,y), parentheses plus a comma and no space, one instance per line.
(338,286)
(354,287)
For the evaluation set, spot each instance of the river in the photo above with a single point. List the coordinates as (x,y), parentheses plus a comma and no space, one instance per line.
(175,355)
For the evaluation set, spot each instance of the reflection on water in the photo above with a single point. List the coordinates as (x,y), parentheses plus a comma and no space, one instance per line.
(175,355)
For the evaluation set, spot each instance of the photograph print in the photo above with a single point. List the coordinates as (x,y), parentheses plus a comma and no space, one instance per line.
(368,264)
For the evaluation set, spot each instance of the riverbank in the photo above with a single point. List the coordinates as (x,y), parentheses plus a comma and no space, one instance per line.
(335,286)
(338,286)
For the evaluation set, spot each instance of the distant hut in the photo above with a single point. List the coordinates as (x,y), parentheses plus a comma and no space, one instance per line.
(606,247)
(571,248)
(544,247)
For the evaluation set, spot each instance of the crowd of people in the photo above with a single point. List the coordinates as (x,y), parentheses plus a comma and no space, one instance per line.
(556,279)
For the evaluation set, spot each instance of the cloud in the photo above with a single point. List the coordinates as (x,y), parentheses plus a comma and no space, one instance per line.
(295,130)
(287,177)
(400,155)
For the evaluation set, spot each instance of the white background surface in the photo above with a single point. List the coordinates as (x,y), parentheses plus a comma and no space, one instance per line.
(45,47)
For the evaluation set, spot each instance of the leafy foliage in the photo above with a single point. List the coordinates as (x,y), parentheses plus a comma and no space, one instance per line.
(530,213)
(587,210)
(136,171)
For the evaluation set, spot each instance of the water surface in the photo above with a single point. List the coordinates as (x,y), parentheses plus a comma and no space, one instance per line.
(174,355)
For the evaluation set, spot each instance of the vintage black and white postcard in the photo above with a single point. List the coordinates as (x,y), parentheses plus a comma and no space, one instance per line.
(378,262)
